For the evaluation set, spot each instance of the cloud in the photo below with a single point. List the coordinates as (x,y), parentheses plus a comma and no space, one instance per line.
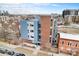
(41,4)
(55,5)
(30,8)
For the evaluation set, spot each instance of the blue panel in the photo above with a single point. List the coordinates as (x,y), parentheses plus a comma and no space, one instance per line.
(23,29)
(36,31)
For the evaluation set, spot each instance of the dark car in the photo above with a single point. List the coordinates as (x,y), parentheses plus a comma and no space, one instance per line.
(2,51)
(22,54)
(10,52)
(19,54)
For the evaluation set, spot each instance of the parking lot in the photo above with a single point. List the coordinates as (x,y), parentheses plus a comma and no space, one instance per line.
(6,49)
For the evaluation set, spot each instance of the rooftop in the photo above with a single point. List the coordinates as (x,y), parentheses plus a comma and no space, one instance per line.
(69,36)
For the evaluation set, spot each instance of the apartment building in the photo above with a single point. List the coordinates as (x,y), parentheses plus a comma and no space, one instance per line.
(69,19)
(49,31)
(45,31)
(30,29)
(70,16)
(55,31)
(70,12)
(68,43)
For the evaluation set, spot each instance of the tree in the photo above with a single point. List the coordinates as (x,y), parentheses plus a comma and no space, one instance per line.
(3,34)
(11,36)
(11,32)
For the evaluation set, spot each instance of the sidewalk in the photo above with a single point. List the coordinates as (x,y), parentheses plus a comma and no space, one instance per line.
(60,54)
(36,50)
(4,54)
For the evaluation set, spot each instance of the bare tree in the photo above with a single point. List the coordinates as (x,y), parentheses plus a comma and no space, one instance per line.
(3,34)
(9,30)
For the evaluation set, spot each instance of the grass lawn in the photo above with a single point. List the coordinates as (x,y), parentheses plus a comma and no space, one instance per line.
(69,30)
(42,54)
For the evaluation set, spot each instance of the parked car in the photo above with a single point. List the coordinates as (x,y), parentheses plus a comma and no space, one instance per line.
(19,54)
(22,54)
(2,51)
(10,53)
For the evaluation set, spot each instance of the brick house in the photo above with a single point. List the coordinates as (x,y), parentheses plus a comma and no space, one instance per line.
(68,43)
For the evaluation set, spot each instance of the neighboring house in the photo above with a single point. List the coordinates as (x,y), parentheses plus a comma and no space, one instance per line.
(69,43)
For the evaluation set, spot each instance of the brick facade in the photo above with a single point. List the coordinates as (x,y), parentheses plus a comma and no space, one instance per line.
(45,31)
(70,46)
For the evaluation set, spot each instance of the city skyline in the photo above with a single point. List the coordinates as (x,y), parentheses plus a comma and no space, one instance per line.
(38,8)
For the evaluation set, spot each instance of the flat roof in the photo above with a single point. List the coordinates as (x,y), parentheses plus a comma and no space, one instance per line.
(69,36)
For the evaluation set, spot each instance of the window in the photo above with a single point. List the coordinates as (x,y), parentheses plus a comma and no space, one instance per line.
(50,40)
(68,43)
(51,19)
(27,24)
(39,31)
(28,36)
(76,45)
(39,37)
(51,22)
(31,30)
(28,31)
(54,41)
(62,42)
(51,32)
(39,25)
(32,36)
(31,25)
(56,35)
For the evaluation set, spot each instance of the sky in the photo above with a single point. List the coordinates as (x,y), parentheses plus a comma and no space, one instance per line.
(37,8)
